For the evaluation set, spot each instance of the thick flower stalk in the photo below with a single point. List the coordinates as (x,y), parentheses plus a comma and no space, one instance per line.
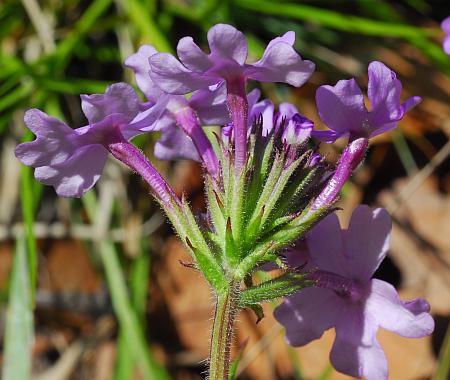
(345,297)
(266,184)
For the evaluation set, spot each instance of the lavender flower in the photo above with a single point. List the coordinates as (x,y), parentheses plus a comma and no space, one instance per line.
(72,160)
(226,63)
(342,109)
(445,25)
(204,107)
(346,298)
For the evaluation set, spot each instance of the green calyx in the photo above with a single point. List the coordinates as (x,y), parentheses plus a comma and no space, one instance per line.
(252,214)
(282,286)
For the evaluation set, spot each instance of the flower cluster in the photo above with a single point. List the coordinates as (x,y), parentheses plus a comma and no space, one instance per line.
(267,186)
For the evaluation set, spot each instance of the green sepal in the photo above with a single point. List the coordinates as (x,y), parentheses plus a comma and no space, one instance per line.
(282,286)
(280,239)
(268,187)
(301,188)
(277,192)
(259,312)
(231,249)
(187,228)
(257,256)
(216,209)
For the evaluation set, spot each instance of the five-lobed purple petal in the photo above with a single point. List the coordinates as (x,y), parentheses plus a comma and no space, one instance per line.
(352,256)
(72,160)
(226,62)
(208,104)
(342,109)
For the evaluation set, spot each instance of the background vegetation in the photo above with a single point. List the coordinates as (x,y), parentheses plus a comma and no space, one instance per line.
(93,288)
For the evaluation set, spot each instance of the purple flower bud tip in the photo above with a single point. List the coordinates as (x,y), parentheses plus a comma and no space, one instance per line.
(315,159)
(346,298)
(342,109)
(297,130)
(445,25)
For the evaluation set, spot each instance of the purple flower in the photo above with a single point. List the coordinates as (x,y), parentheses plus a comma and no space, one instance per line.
(72,160)
(227,63)
(346,298)
(208,105)
(342,109)
(445,25)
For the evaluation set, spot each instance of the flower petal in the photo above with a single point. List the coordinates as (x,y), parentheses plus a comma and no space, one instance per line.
(174,144)
(228,42)
(192,56)
(308,314)
(287,110)
(325,136)
(445,25)
(210,106)
(264,109)
(355,351)
(78,174)
(54,144)
(288,37)
(366,242)
(341,108)
(409,319)
(325,246)
(139,63)
(119,98)
(171,76)
(253,97)
(281,63)
(384,91)
(145,120)
(446,44)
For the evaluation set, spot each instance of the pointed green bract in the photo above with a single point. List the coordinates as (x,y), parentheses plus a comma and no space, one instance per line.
(281,286)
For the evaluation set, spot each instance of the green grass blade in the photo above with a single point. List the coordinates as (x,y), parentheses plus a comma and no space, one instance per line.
(19,320)
(140,273)
(88,20)
(146,24)
(404,153)
(443,367)
(326,373)
(29,205)
(128,320)
(335,20)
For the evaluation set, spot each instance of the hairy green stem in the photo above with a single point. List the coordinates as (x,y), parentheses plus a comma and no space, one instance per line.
(222,334)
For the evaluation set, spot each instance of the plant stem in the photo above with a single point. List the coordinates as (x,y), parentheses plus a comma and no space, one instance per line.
(222,334)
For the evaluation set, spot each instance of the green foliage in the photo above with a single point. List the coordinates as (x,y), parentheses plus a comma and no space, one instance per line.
(282,286)
(19,319)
